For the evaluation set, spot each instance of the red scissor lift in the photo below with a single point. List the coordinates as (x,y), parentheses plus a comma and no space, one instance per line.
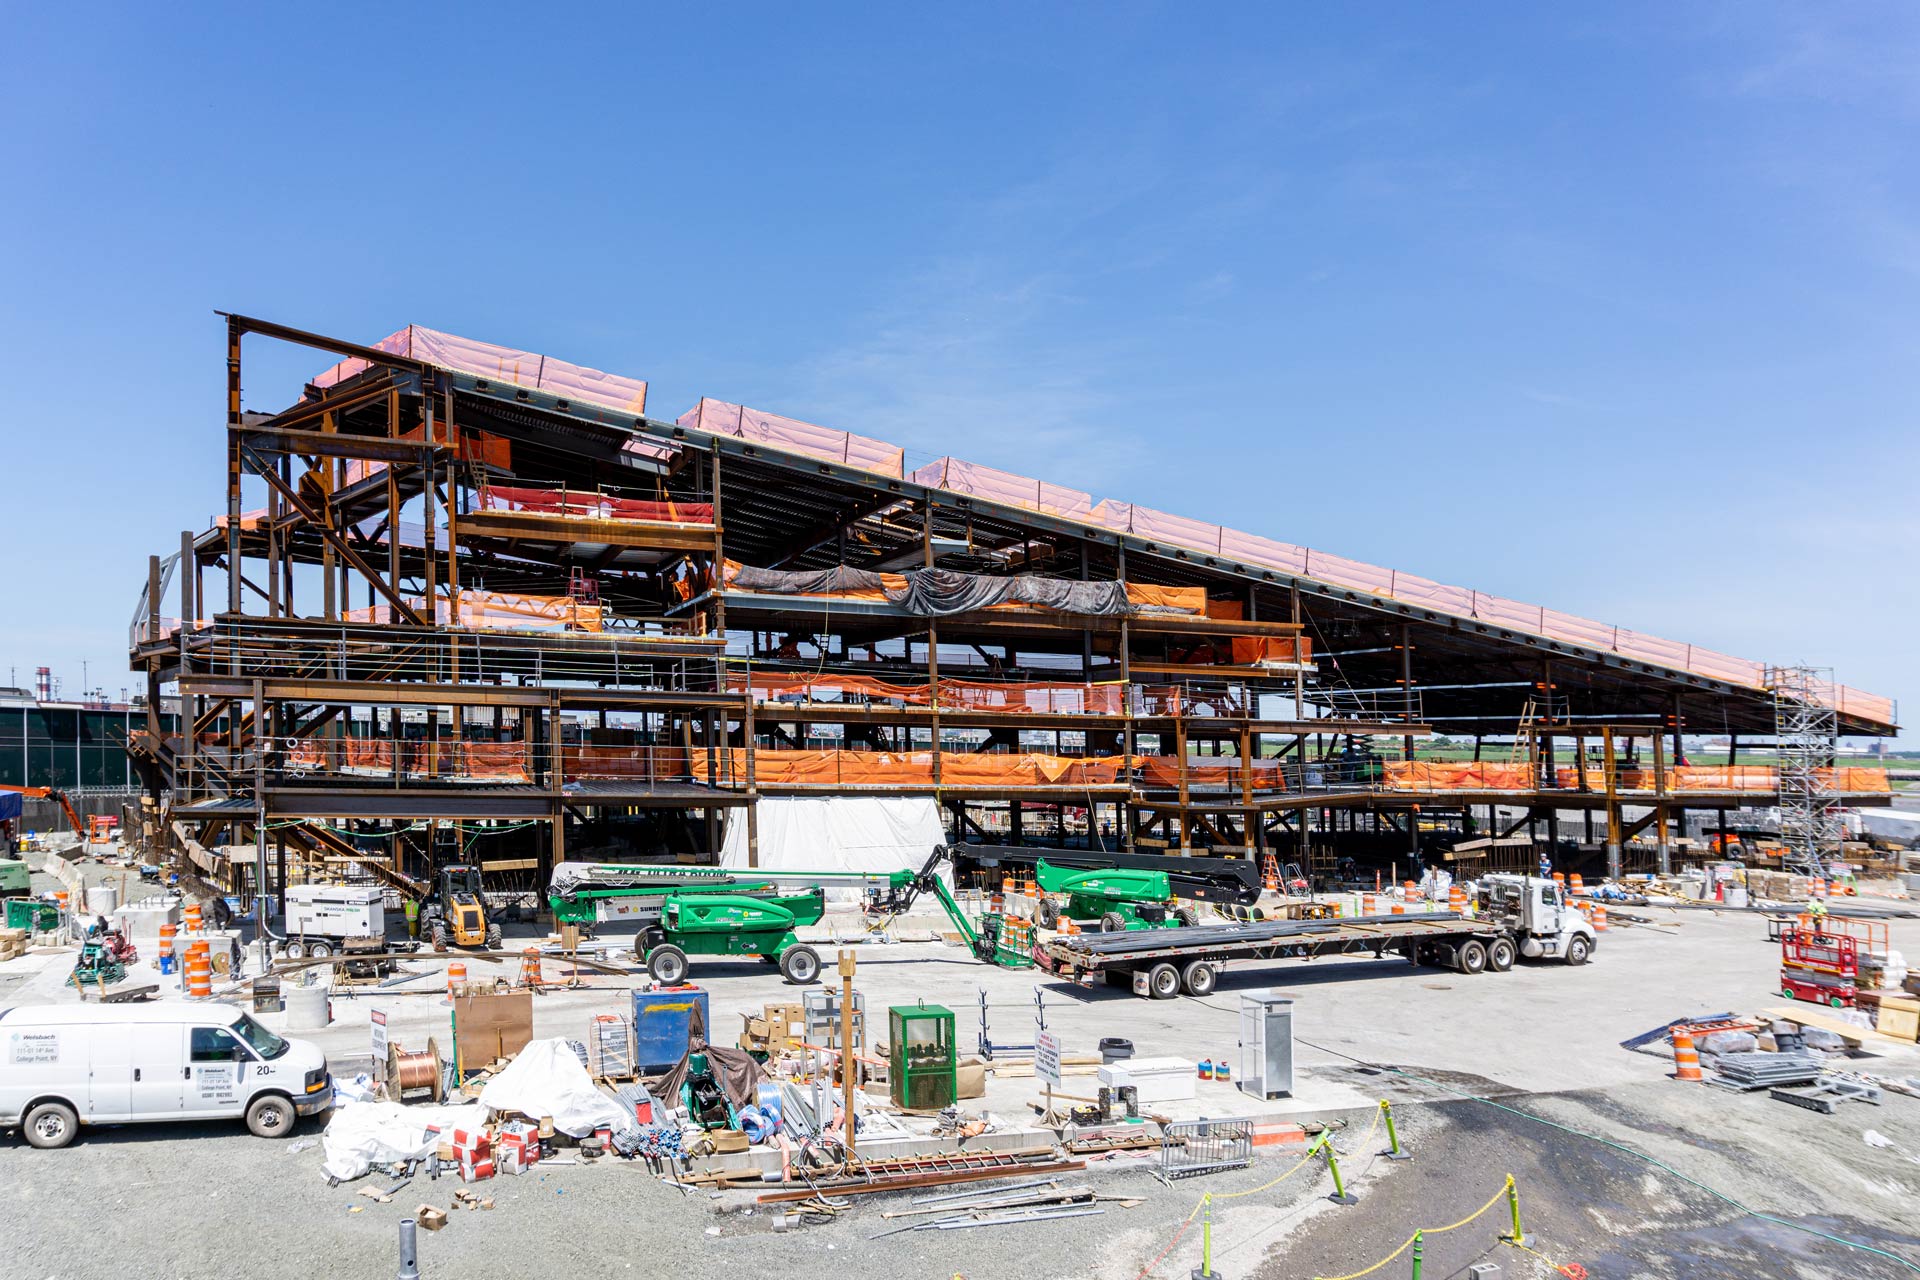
(1820,965)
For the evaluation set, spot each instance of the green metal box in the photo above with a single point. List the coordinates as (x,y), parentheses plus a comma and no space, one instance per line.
(923,1063)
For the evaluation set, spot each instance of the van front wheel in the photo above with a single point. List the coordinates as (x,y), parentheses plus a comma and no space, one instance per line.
(49,1125)
(270,1117)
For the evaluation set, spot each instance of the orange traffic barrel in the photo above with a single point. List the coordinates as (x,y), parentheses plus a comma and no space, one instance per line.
(1457,900)
(1816,888)
(456,977)
(191,914)
(1599,918)
(1575,884)
(167,933)
(1399,909)
(199,971)
(529,968)
(1560,879)
(60,900)
(1370,904)
(1686,1058)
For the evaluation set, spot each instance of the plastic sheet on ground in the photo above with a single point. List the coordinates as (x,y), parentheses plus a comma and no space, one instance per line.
(362,1135)
(546,1079)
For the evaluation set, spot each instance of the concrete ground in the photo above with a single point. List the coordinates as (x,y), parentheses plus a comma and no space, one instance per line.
(1542,1042)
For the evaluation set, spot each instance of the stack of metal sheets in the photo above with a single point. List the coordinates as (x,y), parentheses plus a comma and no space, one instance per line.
(1766,1070)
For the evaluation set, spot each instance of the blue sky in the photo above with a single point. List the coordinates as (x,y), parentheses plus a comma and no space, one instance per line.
(1611,309)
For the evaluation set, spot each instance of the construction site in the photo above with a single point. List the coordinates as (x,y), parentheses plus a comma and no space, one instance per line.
(711,841)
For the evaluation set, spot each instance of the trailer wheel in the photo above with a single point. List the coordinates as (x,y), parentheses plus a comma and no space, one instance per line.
(1113,922)
(1501,953)
(320,950)
(1471,957)
(1578,950)
(294,949)
(668,965)
(800,965)
(1047,914)
(1199,979)
(1163,982)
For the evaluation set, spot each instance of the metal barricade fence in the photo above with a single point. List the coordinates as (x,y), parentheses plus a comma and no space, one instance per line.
(1189,1148)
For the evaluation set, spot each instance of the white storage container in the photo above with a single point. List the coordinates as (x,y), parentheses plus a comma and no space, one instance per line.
(1156,1079)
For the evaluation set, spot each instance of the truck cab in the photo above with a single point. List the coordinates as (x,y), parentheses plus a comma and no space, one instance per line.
(1537,913)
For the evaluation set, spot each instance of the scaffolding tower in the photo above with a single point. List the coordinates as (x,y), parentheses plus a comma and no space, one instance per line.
(1806,727)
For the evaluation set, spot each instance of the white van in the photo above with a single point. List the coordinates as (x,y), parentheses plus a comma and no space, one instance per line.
(62,1066)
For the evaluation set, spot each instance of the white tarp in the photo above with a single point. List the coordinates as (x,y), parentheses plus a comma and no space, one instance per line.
(361,1135)
(838,833)
(546,1079)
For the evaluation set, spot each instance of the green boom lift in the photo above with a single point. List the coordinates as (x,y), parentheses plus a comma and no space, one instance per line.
(1120,898)
(686,912)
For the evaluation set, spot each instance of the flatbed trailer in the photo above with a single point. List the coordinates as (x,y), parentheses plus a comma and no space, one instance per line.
(1163,963)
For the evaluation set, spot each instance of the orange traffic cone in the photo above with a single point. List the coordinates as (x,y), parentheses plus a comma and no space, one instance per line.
(1686,1058)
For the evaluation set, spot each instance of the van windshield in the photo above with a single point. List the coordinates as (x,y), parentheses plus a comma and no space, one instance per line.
(264,1042)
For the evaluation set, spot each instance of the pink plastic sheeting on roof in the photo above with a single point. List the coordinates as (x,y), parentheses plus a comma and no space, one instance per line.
(1005,487)
(723,418)
(527,369)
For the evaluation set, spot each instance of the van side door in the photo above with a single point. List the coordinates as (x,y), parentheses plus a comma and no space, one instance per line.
(109,1078)
(215,1061)
(159,1070)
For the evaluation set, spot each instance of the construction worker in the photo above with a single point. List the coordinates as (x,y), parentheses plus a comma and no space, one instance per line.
(412,909)
(1817,909)
(1546,865)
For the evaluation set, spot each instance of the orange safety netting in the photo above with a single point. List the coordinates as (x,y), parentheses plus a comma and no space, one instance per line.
(915,769)
(1854,778)
(501,761)
(475,446)
(496,611)
(1183,599)
(597,506)
(627,764)
(1465,775)
(375,754)
(1252,650)
(1624,779)
(1211,772)
(1723,777)
(1039,697)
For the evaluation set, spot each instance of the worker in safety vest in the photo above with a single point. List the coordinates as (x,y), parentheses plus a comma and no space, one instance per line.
(412,909)
(1817,909)
(1546,866)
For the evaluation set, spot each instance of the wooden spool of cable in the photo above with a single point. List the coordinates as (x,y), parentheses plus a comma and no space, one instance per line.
(414,1072)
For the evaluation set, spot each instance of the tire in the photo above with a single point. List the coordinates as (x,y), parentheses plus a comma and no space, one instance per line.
(1113,922)
(1163,982)
(270,1116)
(1836,1002)
(1788,993)
(49,1126)
(1501,953)
(1578,950)
(668,965)
(294,950)
(493,937)
(800,965)
(1199,979)
(1187,916)
(1047,914)
(1471,957)
(320,950)
(439,936)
